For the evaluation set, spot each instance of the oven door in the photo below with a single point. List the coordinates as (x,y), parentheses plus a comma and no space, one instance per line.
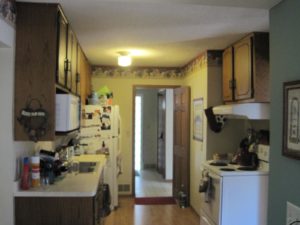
(211,200)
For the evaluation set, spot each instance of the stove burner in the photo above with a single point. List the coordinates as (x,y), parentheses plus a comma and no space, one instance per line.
(227,169)
(247,168)
(218,164)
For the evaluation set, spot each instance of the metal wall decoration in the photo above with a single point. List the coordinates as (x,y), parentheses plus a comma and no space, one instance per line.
(291,119)
(8,10)
(34,119)
(198,119)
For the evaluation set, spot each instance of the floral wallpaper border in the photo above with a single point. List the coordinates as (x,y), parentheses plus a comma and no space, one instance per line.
(137,72)
(210,57)
(8,11)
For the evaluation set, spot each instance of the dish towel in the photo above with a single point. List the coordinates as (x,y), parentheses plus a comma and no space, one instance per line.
(208,190)
(203,182)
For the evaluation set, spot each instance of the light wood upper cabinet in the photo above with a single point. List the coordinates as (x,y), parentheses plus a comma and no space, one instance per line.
(84,76)
(249,67)
(228,78)
(78,69)
(62,49)
(243,69)
(73,61)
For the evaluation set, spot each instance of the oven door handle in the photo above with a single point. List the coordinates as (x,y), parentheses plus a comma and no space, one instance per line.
(214,176)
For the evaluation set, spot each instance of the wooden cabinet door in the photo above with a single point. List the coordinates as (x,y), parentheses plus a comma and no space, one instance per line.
(73,60)
(62,50)
(78,69)
(161,148)
(243,69)
(60,210)
(227,75)
(181,152)
(85,76)
(69,57)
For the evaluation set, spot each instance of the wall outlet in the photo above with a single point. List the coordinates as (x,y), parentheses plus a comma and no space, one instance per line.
(292,213)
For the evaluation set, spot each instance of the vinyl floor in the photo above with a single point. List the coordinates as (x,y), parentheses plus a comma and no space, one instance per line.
(129,214)
(149,183)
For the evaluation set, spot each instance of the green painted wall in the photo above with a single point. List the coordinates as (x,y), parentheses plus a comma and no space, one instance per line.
(285,66)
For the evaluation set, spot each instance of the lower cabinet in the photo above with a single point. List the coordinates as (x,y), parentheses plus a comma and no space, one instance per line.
(58,210)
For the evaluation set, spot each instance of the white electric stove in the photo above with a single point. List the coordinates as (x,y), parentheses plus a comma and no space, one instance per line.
(234,196)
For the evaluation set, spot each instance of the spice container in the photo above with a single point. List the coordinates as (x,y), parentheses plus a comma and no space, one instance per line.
(35,171)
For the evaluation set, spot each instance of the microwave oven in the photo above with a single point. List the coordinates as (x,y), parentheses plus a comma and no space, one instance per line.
(67,109)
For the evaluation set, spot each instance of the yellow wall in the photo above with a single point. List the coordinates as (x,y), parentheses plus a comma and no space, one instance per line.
(203,76)
(122,89)
(197,80)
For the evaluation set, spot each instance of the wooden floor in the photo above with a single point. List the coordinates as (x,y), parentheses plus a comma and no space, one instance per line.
(130,214)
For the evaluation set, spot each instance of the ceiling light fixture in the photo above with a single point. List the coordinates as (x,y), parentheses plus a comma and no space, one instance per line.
(124,59)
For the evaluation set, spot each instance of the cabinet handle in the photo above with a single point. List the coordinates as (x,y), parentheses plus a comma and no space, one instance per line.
(233,83)
(67,65)
(230,84)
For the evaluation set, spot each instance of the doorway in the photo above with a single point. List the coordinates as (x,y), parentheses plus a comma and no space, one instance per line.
(153,145)
(179,148)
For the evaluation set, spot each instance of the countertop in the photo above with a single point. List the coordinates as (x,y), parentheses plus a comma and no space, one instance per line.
(72,185)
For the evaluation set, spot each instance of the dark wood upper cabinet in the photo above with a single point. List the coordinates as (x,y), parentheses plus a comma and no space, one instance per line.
(46,63)
(246,70)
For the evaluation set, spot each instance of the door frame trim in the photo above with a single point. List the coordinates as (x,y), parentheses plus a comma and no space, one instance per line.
(135,87)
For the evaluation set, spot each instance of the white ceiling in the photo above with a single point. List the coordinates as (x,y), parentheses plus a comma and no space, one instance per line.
(164,33)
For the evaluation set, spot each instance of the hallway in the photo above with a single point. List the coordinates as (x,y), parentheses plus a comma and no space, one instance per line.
(149,183)
(130,214)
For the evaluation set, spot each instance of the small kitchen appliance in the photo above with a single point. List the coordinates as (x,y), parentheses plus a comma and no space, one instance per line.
(67,108)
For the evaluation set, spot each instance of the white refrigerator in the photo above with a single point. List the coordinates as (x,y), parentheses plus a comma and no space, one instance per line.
(100,134)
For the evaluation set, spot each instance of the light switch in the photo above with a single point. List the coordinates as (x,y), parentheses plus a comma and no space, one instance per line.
(292,213)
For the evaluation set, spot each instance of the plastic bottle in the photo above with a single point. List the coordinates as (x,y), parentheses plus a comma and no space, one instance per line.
(35,171)
(104,149)
(25,174)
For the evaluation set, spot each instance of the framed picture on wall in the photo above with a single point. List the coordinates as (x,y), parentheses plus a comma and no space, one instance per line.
(291,119)
(198,119)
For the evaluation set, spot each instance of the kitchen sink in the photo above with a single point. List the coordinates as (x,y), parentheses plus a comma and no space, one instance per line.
(87,167)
